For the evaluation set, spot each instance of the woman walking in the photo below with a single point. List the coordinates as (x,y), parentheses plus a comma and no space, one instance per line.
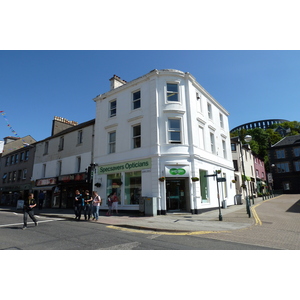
(96,205)
(115,201)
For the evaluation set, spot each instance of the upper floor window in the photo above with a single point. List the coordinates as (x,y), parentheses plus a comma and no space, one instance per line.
(22,156)
(136,132)
(224,149)
(221,121)
(136,99)
(297,152)
(172,92)
(12,161)
(78,164)
(212,143)
(61,143)
(201,138)
(209,110)
(282,167)
(79,137)
(16,158)
(199,100)
(233,147)
(14,176)
(174,131)
(235,165)
(4,178)
(7,161)
(113,108)
(280,154)
(24,174)
(46,148)
(26,155)
(297,166)
(112,142)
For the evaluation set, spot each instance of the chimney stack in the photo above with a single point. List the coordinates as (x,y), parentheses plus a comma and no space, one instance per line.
(115,82)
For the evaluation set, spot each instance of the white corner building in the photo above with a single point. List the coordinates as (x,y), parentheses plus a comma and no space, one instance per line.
(157,137)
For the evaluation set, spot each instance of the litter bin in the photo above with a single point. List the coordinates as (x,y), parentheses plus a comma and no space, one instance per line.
(238,199)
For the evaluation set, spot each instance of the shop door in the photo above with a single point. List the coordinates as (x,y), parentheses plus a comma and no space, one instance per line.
(176,200)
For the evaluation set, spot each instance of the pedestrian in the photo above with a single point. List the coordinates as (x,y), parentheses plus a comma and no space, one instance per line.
(41,198)
(29,204)
(78,205)
(87,205)
(109,204)
(96,205)
(115,202)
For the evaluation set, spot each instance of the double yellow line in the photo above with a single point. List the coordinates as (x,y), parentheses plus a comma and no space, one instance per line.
(254,213)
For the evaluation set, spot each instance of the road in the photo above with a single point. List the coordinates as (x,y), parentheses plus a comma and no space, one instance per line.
(278,225)
(278,228)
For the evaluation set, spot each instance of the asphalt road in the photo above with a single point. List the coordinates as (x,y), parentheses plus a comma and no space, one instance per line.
(277,226)
(61,234)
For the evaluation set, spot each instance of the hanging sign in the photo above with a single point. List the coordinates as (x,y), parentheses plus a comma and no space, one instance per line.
(177,171)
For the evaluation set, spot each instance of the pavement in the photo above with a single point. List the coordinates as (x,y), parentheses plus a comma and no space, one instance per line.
(233,218)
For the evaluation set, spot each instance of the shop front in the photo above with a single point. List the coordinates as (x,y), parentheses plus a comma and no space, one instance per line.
(49,187)
(177,188)
(11,194)
(67,185)
(124,179)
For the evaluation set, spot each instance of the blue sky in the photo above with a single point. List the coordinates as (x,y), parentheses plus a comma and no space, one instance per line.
(35,86)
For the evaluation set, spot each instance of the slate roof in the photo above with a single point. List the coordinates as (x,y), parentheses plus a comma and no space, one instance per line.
(288,141)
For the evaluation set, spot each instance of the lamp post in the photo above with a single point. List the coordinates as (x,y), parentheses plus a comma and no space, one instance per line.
(247,139)
(216,176)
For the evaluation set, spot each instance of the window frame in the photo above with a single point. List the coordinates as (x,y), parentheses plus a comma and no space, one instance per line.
(61,143)
(112,142)
(224,148)
(136,101)
(46,148)
(136,139)
(78,164)
(221,120)
(79,137)
(209,111)
(174,130)
(297,165)
(113,109)
(170,93)
(284,166)
(212,141)
(280,154)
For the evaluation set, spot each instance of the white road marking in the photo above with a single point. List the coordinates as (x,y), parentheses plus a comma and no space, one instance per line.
(17,224)
(154,236)
(126,246)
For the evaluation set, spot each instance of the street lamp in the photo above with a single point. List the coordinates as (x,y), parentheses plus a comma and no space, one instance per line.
(247,139)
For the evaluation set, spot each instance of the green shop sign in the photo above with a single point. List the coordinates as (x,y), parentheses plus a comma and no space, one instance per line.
(135,165)
(177,171)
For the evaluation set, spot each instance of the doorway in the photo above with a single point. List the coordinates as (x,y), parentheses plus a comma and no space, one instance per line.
(176,195)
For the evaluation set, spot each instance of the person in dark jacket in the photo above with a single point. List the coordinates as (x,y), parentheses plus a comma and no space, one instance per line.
(78,204)
(29,204)
(87,205)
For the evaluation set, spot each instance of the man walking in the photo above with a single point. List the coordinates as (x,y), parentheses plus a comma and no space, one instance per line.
(78,204)
(29,204)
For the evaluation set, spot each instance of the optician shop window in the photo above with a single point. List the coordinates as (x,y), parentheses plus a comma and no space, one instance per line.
(133,187)
(114,184)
